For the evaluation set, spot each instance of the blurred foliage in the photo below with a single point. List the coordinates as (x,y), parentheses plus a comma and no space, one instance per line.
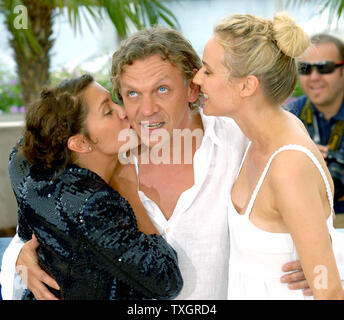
(11,99)
(30,25)
(298,90)
(10,92)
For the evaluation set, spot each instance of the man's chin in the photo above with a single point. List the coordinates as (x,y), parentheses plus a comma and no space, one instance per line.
(317,97)
(155,137)
(318,101)
(152,143)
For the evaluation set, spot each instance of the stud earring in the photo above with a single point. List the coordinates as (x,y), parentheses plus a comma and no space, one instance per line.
(90,148)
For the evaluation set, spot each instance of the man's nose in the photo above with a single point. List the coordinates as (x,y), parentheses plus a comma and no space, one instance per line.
(314,74)
(148,106)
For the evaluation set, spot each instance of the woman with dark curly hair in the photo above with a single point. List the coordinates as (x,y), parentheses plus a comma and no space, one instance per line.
(87,233)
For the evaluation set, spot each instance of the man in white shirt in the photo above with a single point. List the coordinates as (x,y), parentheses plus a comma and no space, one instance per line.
(183,184)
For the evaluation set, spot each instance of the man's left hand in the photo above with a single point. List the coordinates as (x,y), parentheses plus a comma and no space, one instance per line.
(296,278)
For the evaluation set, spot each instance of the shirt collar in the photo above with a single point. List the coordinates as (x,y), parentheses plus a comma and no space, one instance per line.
(209,123)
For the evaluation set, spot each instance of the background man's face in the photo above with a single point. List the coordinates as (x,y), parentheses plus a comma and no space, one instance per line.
(322,89)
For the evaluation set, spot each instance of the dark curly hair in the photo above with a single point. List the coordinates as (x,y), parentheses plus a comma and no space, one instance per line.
(58,114)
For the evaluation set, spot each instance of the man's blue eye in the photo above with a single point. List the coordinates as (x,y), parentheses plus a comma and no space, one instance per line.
(132,93)
(162,89)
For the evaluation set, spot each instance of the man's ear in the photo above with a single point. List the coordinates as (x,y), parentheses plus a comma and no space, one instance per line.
(193,91)
(78,143)
(248,86)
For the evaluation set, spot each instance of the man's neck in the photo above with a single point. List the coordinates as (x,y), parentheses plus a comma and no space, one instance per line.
(165,182)
(329,110)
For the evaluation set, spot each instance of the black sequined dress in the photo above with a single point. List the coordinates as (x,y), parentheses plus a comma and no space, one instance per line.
(89,241)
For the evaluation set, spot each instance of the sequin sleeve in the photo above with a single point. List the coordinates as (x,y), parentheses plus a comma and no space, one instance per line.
(18,170)
(146,262)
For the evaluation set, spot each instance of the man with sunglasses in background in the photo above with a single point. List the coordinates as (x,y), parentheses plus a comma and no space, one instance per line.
(321,109)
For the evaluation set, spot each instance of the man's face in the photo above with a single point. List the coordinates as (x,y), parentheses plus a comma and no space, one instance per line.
(156,97)
(322,89)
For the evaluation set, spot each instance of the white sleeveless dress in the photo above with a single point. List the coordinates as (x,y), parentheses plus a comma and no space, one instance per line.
(257,256)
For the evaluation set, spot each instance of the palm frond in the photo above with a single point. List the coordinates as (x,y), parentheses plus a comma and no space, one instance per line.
(167,15)
(334,7)
(117,13)
(140,13)
(77,9)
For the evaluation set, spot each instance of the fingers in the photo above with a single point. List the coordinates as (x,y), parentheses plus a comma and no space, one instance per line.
(293,277)
(307,292)
(35,277)
(42,276)
(31,273)
(37,287)
(296,279)
(295,272)
(32,244)
(292,266)
(28,254)
(299,285)
(41,292)
(34,239)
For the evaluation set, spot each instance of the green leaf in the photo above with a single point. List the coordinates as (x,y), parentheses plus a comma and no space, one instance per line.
(335,7)
(167,15)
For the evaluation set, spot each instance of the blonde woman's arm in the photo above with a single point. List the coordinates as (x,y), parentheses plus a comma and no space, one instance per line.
(300,198)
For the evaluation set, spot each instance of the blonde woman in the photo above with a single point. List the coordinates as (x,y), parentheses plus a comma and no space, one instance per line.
(281,203)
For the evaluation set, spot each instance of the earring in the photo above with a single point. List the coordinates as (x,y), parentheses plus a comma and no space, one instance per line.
(89,148)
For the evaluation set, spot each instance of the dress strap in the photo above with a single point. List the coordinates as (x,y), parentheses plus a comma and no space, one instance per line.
(290,147)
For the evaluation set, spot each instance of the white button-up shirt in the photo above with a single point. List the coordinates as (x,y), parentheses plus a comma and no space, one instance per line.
(198,227)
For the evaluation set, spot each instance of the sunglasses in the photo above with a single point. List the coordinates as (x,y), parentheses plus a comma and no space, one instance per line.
(323,67)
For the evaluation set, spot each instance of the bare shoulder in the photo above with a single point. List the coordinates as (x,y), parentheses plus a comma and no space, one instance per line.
(297,161)
(295,166)
(297,186)
(298,122)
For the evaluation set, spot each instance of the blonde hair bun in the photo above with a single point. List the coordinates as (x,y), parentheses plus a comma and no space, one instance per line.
(290,38)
